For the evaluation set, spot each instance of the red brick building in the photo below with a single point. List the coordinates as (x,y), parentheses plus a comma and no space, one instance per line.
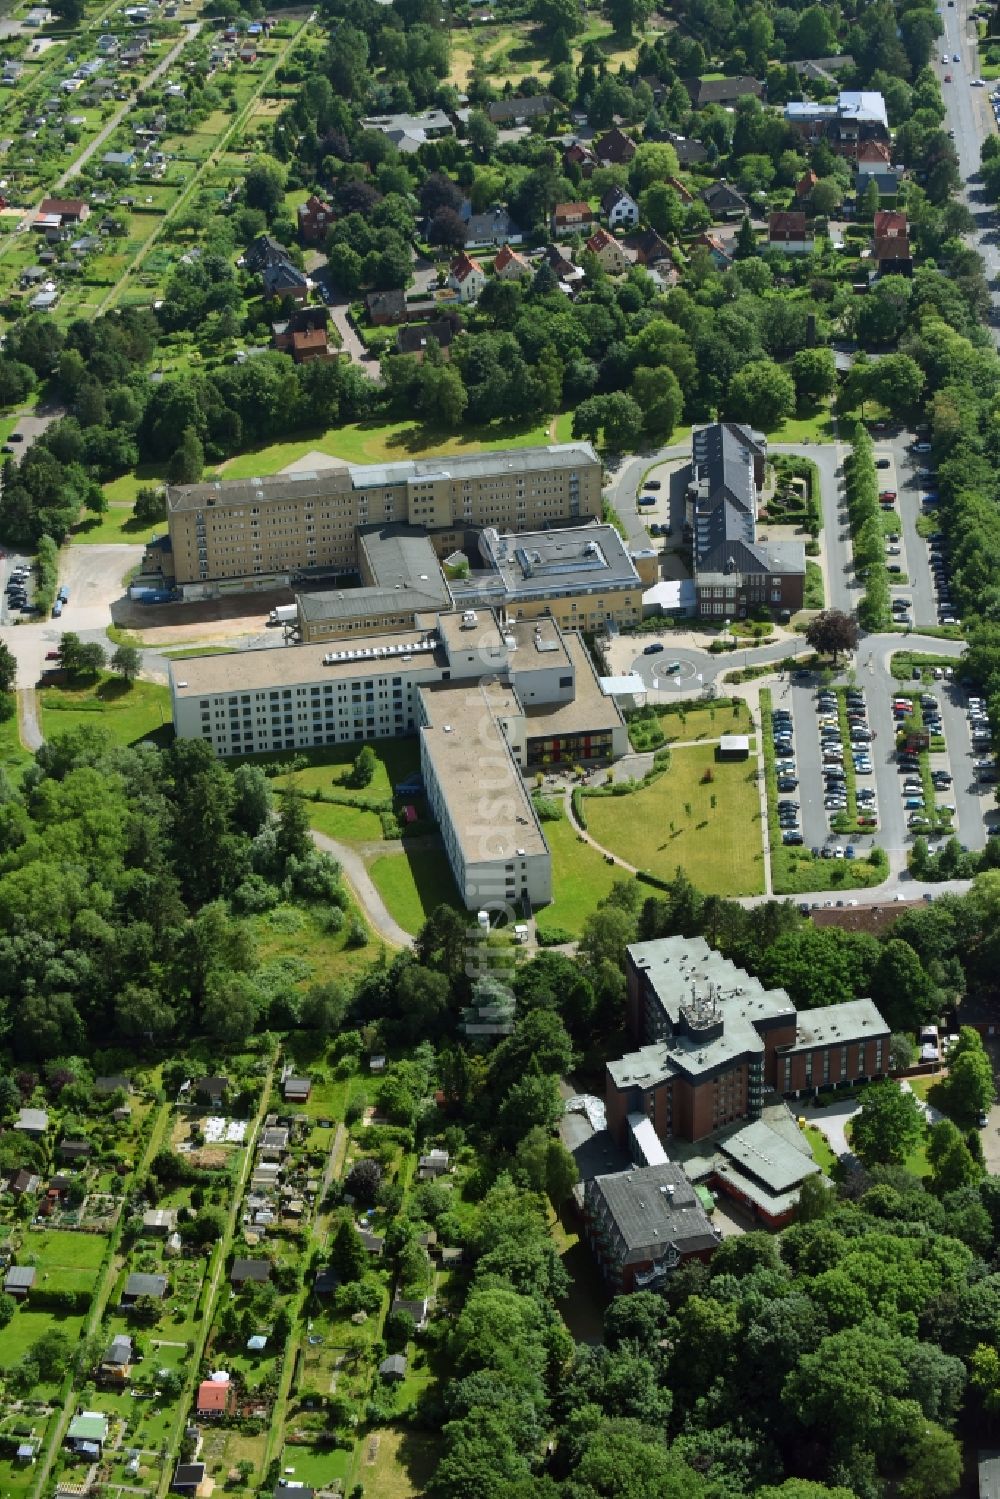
(714,1041)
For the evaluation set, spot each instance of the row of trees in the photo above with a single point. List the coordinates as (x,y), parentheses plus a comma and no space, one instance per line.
(862,490)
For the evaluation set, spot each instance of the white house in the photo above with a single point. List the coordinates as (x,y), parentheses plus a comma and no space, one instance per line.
(466,277)
(620,209)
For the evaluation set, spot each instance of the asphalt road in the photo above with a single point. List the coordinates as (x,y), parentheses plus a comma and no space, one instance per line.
(970,116)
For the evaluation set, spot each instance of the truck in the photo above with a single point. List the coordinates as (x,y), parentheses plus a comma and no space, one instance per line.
(63,595)
(285,614)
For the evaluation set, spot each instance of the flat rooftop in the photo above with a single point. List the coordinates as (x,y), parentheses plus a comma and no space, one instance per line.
(589,710)
(763,1152)
(710,1010)
(341,478)
(403,556)
(653,1207)
(302,665)
(572,559)
(539,642)
(854,1020)
(490,809)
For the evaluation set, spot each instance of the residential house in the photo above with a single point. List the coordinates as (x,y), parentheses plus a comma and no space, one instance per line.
(116,1364)
(690,152)
(572,218)
(494,227)
(720,256)
(409,132)
(23,1183)
(890,244)
(393,1368)
(620,209)
(117,1082)
(724,202)
(188,1478)
(649,249)
(315,218)
(296,1089)
(786,231)
(372,1243)
(823,69)
(247,54)
(385,307)
(571,277)
(325,1282)
(263,251)
(140,1286)
(875,155)
(516,110)
(211,1090)
(434,1164)
(579,155)
(804,186)
(11,73)
(66,210)
(73,1151)
(119,161)
(32,1122)
(466,277)
(614,149)
(250,1272)
(285,1489)
(305,335)
(414,338)
(274,1143)
(215,1395)
(107,45)
(44,301)
(157,1223)
(858,117)
(609,252)
(724,91)
(415,1307)
(508,265)
(19,1280)
(87,1433)
(735,573)
(887,180)
(286,280)
(643,1223)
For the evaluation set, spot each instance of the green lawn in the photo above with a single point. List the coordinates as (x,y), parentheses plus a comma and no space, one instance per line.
(815,594)
(821,1151)
(381,442)
(348,824)
(14,758)
(580,878)
(711,829)
(395,760)
(128,713)
(117,524)
(297,937)
(413,883)
(817,426)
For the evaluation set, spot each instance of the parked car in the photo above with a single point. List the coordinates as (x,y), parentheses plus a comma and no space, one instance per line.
(653,649)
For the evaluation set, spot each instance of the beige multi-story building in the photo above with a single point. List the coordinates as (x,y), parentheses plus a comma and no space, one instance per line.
(489,701)
(234,535)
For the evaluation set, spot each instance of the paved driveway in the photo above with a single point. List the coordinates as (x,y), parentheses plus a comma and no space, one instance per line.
(832,1120)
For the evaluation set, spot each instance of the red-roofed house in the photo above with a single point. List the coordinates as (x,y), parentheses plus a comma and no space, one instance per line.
(467,277)
(874,151)
(615,149)
(214,1396)
(889,221)
(315,218)
(805,185)
(580,156)
(509,265)
(68,210)
(572,218)
(786,230)
(609,252)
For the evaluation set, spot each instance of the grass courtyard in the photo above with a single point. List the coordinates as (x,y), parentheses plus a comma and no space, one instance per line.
(413,883)
(581,878)
(385,442)
(710,827)
(127,713)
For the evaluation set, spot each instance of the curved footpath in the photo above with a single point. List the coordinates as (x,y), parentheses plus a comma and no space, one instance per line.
(363,886)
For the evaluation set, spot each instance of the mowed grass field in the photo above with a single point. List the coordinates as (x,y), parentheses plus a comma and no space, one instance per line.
(128,713)
(581,878)
(382,442)
(673,822)
(413,883)
(117,525)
